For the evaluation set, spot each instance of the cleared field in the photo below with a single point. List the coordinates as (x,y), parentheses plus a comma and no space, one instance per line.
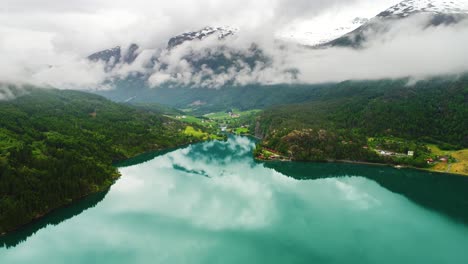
(458,167)
(196,133)
(190,131)
(461,167)
(242,130)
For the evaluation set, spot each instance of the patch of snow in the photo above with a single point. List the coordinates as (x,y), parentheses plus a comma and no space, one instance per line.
(327,31)
(407,7)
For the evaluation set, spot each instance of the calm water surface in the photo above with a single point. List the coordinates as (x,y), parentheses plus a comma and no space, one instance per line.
(212,203)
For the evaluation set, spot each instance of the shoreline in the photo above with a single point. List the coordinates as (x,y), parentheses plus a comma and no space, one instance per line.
(117,163)
(45,214)
(369,164)
(101,190)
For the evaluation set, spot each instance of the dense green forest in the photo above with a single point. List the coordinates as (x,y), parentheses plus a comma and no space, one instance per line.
(338,122)
(57,146)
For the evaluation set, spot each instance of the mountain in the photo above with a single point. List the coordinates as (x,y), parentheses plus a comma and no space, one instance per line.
(410,7)
(59,146)
(114,56)
(118,55)
(207,66)
(438,12)
(170,74)
(220,32)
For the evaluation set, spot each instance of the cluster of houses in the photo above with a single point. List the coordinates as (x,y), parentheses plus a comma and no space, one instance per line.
(390,153)
(233,115)
(272,155)
(443,159)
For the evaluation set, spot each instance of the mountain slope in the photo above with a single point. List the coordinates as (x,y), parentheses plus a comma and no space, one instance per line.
(206,100)
(58,146)
(433,111)
(114,56)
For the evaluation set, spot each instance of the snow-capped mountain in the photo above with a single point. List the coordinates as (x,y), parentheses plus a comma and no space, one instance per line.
(113,56)
(185,64)
(218,63)
(438,12)
(220,32)
(409,7)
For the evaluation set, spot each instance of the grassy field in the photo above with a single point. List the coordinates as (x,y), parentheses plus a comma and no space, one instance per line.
(461,167)
(191,131)
(458,167)
(198,134)
(242,130)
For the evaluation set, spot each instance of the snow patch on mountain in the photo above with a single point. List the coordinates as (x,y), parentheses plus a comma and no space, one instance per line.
(408,7)
(324,31)
(220,32)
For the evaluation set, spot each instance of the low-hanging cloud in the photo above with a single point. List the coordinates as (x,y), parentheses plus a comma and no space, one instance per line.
(407,49)
(47,44)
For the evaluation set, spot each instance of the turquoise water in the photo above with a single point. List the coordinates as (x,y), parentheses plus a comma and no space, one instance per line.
(212,203)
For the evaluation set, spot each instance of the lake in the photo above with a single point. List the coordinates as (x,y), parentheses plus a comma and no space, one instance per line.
(213,203)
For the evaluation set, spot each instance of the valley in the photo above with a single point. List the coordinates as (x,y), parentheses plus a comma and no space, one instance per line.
(399,140)
(210,131)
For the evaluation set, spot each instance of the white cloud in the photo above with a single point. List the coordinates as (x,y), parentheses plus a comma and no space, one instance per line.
(408,49)
(405,51)
(44,42)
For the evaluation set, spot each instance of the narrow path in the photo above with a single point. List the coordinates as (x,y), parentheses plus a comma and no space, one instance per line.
(449,166)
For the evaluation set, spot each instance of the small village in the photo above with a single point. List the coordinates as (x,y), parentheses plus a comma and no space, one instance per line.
(271,155)
(231,121)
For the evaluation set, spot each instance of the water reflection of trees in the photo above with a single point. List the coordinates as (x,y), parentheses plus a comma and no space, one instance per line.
(443,193)
(54,218)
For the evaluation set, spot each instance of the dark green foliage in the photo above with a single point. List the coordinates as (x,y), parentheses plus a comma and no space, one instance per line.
(209,100)
(158,108)
(432,111)
(58,146)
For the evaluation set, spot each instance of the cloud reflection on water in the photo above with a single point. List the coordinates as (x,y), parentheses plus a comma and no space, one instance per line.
(165,211)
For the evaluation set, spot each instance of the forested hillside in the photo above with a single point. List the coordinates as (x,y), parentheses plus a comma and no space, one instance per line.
(207,100)
(338,122)
(58,146)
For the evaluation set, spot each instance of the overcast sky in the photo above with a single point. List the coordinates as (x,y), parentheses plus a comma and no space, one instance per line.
(40,33)
(84,26)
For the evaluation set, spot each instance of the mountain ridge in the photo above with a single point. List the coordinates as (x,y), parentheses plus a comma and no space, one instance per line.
(438,12)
